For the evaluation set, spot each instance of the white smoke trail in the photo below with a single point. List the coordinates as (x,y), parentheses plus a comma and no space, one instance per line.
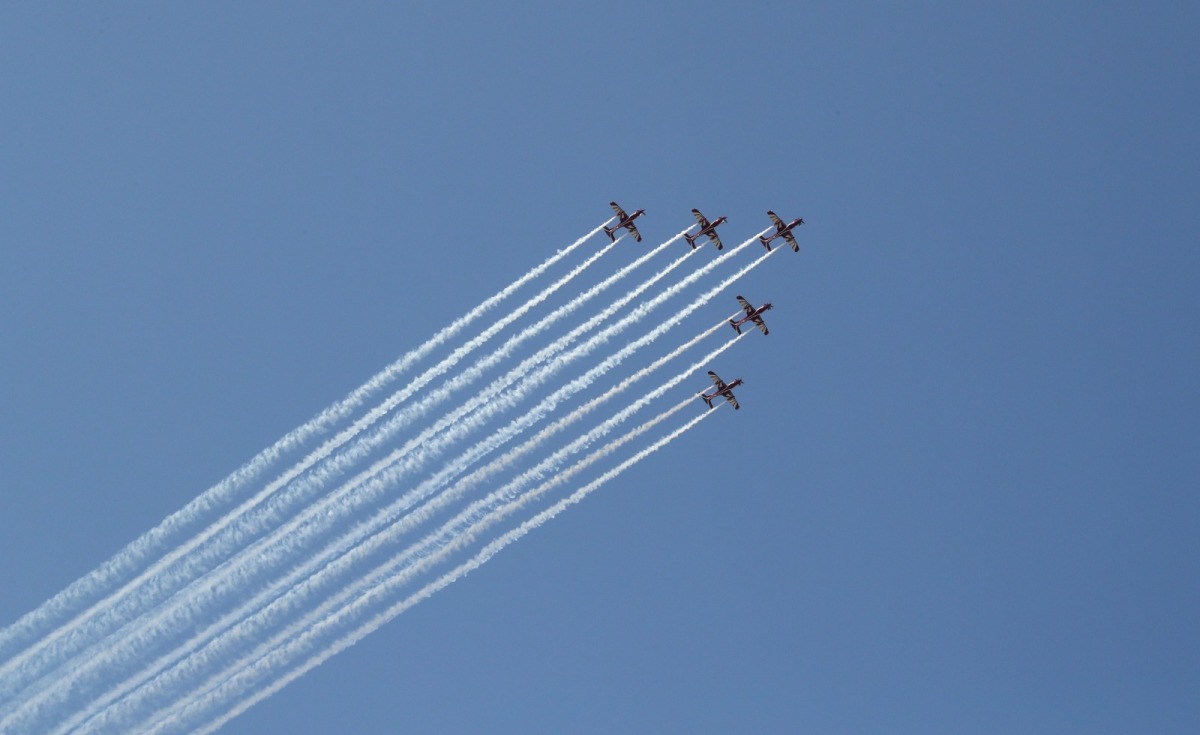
(638,313)
(35,624)
(55,689)
(371,537)
(547,466)
(547,404)
(499,397)
(379,477)
(347,543)
(348,459)
(318,518)
(237,692)
(97,621)
(371,527)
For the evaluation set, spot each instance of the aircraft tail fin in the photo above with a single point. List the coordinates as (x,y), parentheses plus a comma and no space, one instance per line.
(735,326)
(766,243)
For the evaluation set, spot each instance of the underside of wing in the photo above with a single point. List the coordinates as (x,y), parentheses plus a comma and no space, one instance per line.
(791,240)
(700,218)
(633,228)
(729,397)
(716,381)
(775,218)
(758,322)
(745,305)
(715,240)
(617,208)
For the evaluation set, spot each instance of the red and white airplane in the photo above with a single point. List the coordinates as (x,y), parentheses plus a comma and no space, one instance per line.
(782,230)
(706,228)
(724,390)
(753,316)
(624,220)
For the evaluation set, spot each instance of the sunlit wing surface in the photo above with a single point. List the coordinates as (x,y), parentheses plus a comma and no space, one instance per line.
(716,381)
(617,208)
(791,240)
(700,218)
(633,228)
(758,322)
(715,240)
(775,218)
(729,397)
(745,305)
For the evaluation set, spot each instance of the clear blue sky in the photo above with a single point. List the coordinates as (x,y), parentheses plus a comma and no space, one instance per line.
(961,495)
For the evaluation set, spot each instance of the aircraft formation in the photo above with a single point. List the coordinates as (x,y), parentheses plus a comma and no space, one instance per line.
(277,568)
(709,229)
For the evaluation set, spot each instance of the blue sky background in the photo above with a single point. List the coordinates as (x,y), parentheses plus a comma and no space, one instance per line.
(961,493)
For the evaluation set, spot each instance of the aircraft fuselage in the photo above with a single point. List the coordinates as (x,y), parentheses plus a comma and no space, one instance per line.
(708,229)
(629,219)
(786,229)
(725,392)
(749,317)
(626,222)
(783,231)
(711,227)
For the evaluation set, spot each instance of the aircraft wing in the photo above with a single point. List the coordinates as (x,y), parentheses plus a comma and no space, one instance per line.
(715,240)
(758,322)
(716,380)
(617,208)
(745,305)
(700,218)
(633,228)
(791,240)
(775,218)
(729,397)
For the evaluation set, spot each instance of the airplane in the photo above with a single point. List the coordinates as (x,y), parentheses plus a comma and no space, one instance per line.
(624,220)
(784,230)
(706,228)
(752,315)
(723,391)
